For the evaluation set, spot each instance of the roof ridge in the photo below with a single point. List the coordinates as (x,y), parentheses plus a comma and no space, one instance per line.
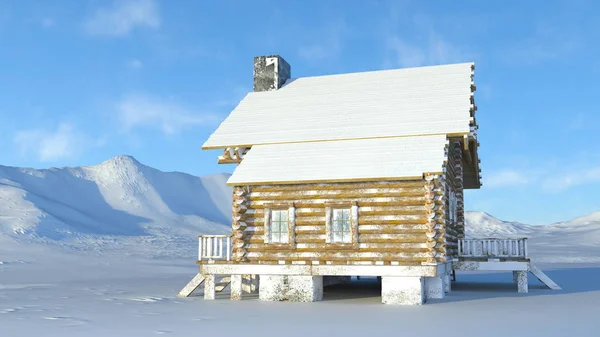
(384,70)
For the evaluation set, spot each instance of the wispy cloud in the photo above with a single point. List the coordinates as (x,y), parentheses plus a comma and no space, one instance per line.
(123,17)
(549,176)
(548,42)
(432,50)
(584,122)
(328,44)
(506,178)
(63,142)
(413,40)
(142,111)
(135,64)
(561,182)
(237,94)
(47,22)
(4,15)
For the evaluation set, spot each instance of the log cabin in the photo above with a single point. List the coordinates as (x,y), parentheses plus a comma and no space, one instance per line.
(358,174)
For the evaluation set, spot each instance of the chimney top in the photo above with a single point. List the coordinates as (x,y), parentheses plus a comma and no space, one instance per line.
(270,72)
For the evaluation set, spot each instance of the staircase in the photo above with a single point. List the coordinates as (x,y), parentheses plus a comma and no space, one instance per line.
(249,284)
(191,286)
(543,277)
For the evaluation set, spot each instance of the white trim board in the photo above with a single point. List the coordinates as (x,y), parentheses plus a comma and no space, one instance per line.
(323,270)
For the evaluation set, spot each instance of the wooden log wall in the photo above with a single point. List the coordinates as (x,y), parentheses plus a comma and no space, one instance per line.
(394,222)
(436,205)
(454,179)
(240,197)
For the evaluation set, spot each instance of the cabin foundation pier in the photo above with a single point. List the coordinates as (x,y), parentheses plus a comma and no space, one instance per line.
(522,286)
(272,288)
(209,287)
(435,287)
(236,287)
(305,288)
(447,283)
(291,288)
(403,290)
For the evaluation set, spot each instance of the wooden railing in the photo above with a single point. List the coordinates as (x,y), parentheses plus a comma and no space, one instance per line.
(493,248)
(214,247)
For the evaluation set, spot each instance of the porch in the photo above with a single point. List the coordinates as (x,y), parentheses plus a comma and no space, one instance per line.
(494,254)
(425,281)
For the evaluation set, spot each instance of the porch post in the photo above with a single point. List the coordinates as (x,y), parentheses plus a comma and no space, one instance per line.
(209,287)
(522,285)
(236,287)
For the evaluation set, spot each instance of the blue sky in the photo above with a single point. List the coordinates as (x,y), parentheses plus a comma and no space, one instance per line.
(82,81)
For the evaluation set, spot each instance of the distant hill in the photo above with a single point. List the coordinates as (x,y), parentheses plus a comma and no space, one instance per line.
(119,198)
(577,240)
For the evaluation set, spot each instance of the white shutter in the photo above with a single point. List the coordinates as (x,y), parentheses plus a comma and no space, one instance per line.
(354,224)
(328,224)
(267,230)
(292,224)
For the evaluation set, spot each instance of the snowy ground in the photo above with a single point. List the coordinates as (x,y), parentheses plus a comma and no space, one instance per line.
(47,292)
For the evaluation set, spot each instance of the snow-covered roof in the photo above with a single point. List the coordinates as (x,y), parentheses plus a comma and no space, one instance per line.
(387,103)
(345,160)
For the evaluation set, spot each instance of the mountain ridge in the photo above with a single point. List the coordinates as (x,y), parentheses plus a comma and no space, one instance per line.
(119,196)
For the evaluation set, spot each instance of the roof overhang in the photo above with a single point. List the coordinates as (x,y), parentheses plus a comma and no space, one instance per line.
(358,160)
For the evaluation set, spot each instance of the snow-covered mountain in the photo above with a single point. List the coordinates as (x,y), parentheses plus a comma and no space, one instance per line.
(577,240)
(118,198)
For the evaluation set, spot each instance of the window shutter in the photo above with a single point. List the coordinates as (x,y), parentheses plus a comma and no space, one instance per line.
(354,223)
(328,224)
(267,230)
(292,225)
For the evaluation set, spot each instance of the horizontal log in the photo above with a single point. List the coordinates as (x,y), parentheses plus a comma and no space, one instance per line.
(334,192)
(363,210)
(302,220)
(363,229)
(322,249)
(323,246)
(333,255)
(380,201)
(392,220)
(407,237)
(316,213)
(398,238)
(350,194)
(366,262)
(391,229)
(335,186)
(300,238)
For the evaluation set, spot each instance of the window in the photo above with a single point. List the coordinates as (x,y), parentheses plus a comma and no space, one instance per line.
(280,221)
(341,224)
(279,226)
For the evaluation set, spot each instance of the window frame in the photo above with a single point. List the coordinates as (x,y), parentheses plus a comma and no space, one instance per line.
(291,224)
(329,225)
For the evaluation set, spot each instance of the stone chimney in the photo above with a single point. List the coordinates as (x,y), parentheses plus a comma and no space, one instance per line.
(270,72)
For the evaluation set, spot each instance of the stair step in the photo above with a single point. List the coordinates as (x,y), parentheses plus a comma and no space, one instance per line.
(222,284)
(226,279)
